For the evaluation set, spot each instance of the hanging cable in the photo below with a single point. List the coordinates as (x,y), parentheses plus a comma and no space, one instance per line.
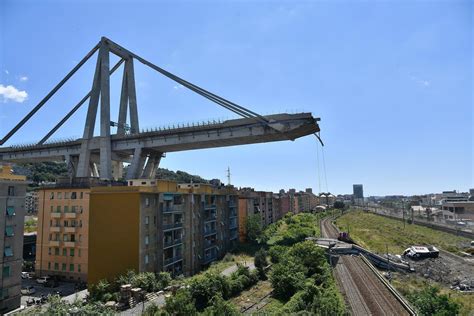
(324,168)
(319,171)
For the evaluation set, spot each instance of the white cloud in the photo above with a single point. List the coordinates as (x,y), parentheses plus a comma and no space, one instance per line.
(10,93)
(23,78)
(178,86)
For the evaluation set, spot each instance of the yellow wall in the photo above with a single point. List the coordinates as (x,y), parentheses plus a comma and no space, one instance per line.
(113,233)
(6,173)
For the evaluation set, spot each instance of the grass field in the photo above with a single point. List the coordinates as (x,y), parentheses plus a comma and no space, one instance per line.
(377,232)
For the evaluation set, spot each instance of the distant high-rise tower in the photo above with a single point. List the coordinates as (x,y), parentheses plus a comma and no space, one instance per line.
(358,191)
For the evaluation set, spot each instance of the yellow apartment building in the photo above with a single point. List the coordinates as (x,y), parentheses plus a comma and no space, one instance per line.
(63,232)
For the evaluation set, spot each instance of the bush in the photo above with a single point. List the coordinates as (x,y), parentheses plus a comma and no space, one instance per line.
(277,252)
(287,278)
(309,255)
(261,262)
(181,304)
(219,307)
(429,302)
(204,287)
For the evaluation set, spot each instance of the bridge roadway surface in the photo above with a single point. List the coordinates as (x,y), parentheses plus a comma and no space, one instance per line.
(363,291)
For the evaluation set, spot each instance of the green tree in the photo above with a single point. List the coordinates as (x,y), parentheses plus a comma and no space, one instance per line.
(261,262)
(339,205)
(100,291)
(205,286)
(219,307)
(430,302)
(309,255)
(287,278)
(254,228)
(181,304)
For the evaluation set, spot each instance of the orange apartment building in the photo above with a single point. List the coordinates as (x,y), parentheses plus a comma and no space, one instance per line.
(62,240)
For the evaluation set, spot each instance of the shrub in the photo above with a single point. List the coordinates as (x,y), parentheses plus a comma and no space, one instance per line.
(429,302)
(287,278)
(204,287)
(260,261)
(219,307)
(182,303)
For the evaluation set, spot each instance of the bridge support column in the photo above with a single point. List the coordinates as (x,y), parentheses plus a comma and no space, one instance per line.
(136,167)
(117,170)
(151,166)
(83,166)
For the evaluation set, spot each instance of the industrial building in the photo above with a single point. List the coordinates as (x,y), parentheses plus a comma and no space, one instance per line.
(12,213)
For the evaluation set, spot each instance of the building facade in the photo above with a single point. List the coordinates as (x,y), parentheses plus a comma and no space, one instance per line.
(63,232)
(358,191)
(161,226)
(12,213)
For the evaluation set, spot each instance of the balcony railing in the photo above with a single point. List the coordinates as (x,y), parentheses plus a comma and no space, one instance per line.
(210,258)
(55,229)
(70,215)
(209,243)
(209,231)
(209,206)
(173,209)
(70,229)
(55,214)
(54,243)
(232,225)
(170,243)
(174,259)
(172,226)
(70,244)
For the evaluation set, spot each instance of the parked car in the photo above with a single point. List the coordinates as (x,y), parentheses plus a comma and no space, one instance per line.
(28,290)
(42,280)
(25,275)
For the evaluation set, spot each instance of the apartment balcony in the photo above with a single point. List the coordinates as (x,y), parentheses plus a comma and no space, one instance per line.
(171,243)
(208,232)
(172,226)
(54,229)
(233,236)
(232,225)
(210,258)
(70,229)
(55,215)
(209,244)
(70,244)
(54,243)
(168,261)
(70,215)
(173,209)
(209,206)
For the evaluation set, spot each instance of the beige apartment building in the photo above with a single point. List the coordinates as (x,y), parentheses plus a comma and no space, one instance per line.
(63,232)
(12,214)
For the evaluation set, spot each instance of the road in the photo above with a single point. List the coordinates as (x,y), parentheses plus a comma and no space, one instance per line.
(364,292)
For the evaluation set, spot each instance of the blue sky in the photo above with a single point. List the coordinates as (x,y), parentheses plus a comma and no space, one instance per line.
(392,82)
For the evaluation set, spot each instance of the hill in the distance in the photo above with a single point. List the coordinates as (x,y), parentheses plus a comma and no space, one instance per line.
(49,171)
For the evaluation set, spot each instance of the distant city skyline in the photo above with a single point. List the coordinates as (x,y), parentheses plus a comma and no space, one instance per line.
(391,82)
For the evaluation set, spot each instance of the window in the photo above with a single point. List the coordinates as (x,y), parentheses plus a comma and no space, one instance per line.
(58,209)
(8,251)
(73,209)
(59,195)
(79,267)
(66,195)
(51,196)
(56,266)
(63,267)
(9,232)
(56,251)
(80,209)
(177,199)
(80,223)
(73,195)
(66,223)
(147,240)
(49,265)
(49,251)
(146,259)
(71,252)
(147,220)
(81,195)
(11,191)
(64,252)
(10,210)
(52,209)
(6,271)
(143,182)
(71,267)
(79,252)
(66,209)
(73,237)
(147,201)
(65,237)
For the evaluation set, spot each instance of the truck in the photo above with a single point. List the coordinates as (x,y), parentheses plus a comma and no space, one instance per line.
(421,252)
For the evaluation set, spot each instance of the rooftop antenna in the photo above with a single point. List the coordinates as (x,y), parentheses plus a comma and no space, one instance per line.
(228,175)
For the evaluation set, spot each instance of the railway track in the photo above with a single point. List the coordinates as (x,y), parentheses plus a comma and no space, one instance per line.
(364,291)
